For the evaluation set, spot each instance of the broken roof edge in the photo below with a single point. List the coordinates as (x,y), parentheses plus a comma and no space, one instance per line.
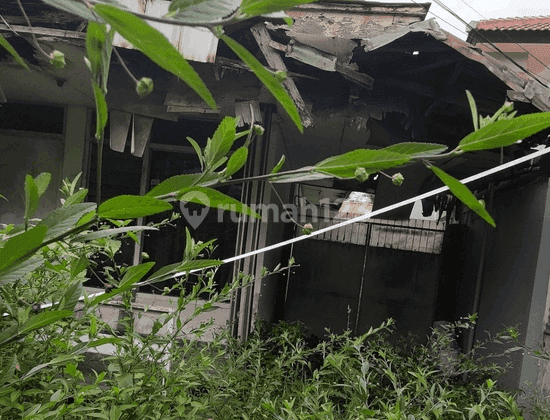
(372,7)
(526,90)
(429,26)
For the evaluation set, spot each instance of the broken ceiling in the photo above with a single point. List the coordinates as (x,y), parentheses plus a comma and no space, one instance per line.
(380,58)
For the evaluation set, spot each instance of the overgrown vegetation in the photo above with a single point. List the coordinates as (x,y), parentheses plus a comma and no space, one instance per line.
(48,370)
(48,324)
(278,373)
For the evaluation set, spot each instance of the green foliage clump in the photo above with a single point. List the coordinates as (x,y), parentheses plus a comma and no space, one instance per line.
(280,373)
(277,373)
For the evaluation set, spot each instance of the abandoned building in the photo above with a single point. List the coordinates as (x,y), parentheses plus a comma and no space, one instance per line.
(363,75)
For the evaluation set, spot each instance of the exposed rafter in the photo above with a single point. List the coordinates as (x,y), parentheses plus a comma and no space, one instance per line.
(260,33)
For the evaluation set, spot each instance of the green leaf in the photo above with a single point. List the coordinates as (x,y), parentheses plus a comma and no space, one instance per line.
(154,45)
(462,192)
(76,198)
(20,247)
(102,341)
(279,165)
(267,78)
(98,416)
(43,319)
(218,163)
(505,132)
(242,133)
(4,43)
(128,284)
(417,149)
(236,161)
(31,197)
(111,232)
(8,369)
(168,271)
(95,42)
(473,109)
(132,207)
(8,334)
(78,266)
(62,220)
(101,111)
(42,181)
(179,182)
(215,199)
(192,250)
(19,271)
(178,5)
(198,151)
(33,323)
(344,166)
(71,297)
(220,143)
(86,218)
(163,273)
(189,245)
(136,273)
(73,7)
(56,396)
(99,46)
(58,360)
(262,7)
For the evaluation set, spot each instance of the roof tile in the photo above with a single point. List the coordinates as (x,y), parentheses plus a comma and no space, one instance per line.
(537,23)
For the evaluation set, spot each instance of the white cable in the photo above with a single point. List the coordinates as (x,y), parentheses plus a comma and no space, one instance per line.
(93,295)
(380,211)
(350,221)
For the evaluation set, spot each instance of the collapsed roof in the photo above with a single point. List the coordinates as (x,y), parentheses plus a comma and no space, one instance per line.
(375,60)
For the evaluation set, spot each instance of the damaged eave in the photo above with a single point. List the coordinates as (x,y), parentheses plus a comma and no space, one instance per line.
(353,19)
(372,8)
(500,70)
(534,91)
(42,32)
(40,14)
(521,89)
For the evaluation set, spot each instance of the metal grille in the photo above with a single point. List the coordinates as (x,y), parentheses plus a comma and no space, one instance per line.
(407,235)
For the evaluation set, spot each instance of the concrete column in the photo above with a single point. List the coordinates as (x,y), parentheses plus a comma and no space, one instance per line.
(75,141)
(533,369)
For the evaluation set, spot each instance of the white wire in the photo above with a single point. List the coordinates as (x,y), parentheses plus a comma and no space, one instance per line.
(350,221)
(380,211)
(93,295)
